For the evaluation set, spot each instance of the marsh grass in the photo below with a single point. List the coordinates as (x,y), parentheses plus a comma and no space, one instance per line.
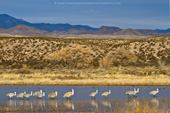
(144,107)
(89,76)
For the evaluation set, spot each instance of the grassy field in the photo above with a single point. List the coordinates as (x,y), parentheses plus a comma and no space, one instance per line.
(80,77)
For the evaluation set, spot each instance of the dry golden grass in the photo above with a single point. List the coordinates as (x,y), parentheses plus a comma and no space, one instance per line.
(81,77)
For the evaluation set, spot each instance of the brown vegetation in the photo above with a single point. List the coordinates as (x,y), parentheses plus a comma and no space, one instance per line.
(107,61)
(100,76)
(118,58)
(73,56)
(35,52)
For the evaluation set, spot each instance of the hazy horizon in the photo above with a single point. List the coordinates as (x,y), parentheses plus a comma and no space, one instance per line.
(152,14)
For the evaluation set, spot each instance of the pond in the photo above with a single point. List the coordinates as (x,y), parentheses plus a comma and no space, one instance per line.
(81,101)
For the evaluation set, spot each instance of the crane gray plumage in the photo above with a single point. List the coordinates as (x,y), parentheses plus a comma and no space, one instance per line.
(52,95)
(40,95)
(21,95)
(69,94)
(37,92)
(27,95)
(154,92)
(93,94)
(106,93)
(132,93)
(10,95)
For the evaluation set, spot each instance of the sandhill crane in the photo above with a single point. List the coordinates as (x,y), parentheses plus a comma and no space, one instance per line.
(132,93)
(154,92)
(69,94)
(27,95)
(40,95)
(10,95)
(105,94)
(21,95)
(52,95)
(37,92)
(93,94)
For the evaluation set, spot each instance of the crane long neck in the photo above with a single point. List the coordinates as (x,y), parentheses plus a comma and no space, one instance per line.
(96,91)
(137,90)
(72,92)
(56,92)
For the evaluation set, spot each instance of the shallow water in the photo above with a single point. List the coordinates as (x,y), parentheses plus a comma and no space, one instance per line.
(81,100)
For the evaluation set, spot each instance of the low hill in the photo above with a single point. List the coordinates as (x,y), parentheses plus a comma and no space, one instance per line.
(128,32)
(148,32)
(107,30)
(34,52)
(27,31)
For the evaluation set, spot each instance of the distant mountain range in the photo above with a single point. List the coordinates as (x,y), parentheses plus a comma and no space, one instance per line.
(162,31)
(13,26)
(7,21)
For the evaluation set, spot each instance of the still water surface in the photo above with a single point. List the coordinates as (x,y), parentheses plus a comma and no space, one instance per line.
(81,100)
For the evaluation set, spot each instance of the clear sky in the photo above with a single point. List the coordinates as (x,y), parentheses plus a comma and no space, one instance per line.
(137,14)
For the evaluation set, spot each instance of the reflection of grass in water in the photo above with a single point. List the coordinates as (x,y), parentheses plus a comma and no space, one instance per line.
(33,110)
(116,106)
(145,108)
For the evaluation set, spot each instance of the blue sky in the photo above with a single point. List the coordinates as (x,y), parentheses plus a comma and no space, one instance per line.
(137,14)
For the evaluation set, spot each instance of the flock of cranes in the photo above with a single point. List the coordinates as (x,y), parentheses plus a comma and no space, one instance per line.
(135,91)
(52,95)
